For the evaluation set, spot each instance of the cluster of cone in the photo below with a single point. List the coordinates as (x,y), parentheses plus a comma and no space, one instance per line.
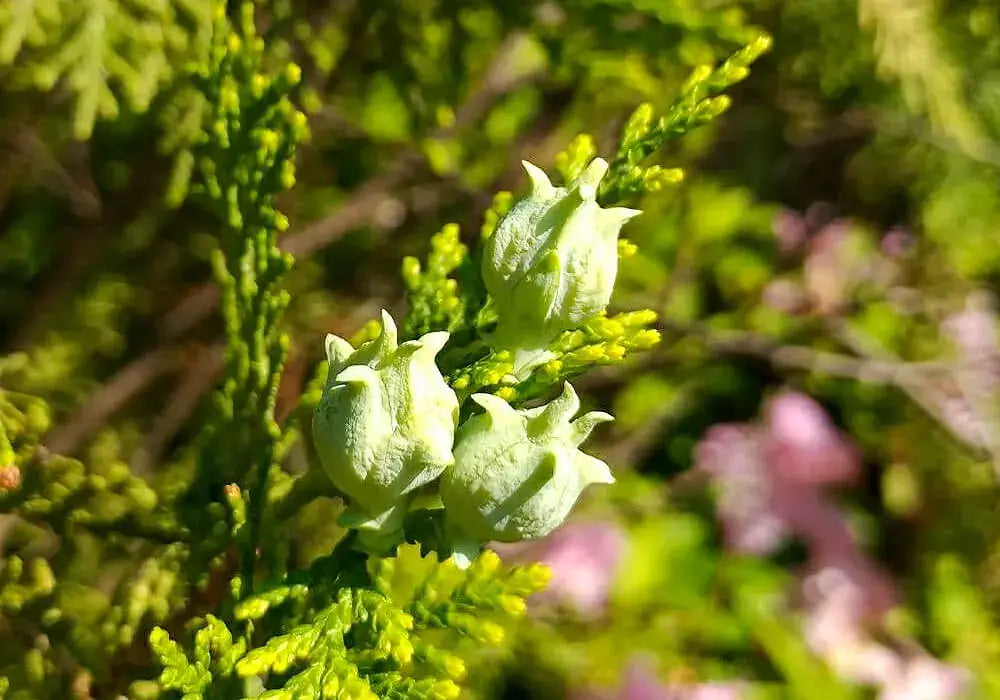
(387,422)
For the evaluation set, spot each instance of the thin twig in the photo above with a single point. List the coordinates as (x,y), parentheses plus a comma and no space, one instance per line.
(128,382)
(196,383)
(915,379)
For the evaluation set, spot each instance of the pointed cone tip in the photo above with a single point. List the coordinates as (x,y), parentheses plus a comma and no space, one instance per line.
(596,417)
(434,341)
(540,183)
(356,374)
(388,324)
(493,405)
(585,424)
(622,214)
(597,471)
(569,394)
(592,176)
(558,411)
(337,348)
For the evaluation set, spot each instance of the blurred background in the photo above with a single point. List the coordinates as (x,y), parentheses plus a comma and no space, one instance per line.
(807,464)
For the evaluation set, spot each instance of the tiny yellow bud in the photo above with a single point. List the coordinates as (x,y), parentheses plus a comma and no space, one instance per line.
(507,393)
(672,175)
(612,328)
(539,576)
(642,317)
(626,248)
(552,367)
(411,271)
(513,604)
(445,690)
(490,633)
(258,84)
(269,139)
(493,377)
(454,667)
(403,652)
(488,562)
(229,98)
(445,116)
(646,339)
(288,176)
(233,43)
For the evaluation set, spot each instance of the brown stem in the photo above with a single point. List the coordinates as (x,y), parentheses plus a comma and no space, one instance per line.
(128,382)
(196,383)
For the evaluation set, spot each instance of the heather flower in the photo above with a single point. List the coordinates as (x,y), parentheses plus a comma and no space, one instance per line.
(831,267)
(971,410)
(731,456)
(790,230)
(584,560)
(897,242)
(784,295)
(842,606)
(640,683)
(925,678)
(771,478)
(974,328)
(803,446)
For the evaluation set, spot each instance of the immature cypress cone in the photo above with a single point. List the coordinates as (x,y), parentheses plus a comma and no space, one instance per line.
(518,473)
(551,263)
(385,423)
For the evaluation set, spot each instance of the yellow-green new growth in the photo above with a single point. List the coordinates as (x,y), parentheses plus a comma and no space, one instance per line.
(551,263)
(518,473)
(385,424)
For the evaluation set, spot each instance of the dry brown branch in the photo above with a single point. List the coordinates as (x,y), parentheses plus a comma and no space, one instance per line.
(129,381)
(197,382)
(927,384)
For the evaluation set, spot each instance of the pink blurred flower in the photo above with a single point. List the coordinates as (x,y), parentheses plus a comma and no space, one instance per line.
(818,215)
(771,478)
(584,558)
(830,268)
(641,683)
(897,242)
(790,229)
(731,455)
(971,408)
(926,678)
(974,328)
(784,295)
(839,614)
(768,476)
(802,444)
